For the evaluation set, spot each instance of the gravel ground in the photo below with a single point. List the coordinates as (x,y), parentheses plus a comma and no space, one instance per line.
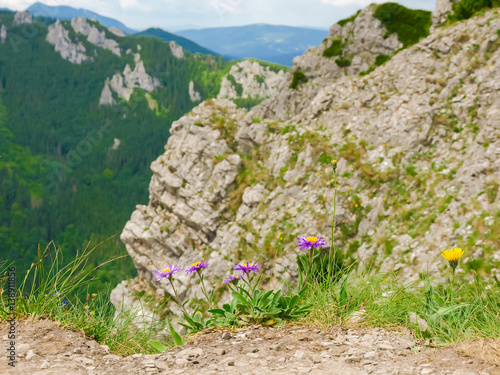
(44,347)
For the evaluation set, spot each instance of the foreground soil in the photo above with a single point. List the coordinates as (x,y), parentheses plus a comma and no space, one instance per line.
(44,347)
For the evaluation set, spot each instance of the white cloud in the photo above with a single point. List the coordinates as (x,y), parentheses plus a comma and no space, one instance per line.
(133,4)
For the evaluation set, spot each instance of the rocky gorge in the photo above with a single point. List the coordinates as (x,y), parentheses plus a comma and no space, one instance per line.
(416,141)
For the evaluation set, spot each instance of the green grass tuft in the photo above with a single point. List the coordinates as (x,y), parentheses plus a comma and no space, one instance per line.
(335,49)
(349,19)
(298,77)
(410,25)
(465,9)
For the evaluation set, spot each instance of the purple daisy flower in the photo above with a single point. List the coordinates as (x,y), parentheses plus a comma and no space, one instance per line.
(166,272)
(232,278)
(247,267)
(305,243)
(195,267)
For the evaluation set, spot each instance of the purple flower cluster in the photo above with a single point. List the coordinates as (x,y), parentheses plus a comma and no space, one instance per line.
(166,272)
(248,267)
(306,243)
(195,267)
(232,278)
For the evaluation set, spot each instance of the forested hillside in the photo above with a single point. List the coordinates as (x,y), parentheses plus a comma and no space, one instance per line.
(72,170)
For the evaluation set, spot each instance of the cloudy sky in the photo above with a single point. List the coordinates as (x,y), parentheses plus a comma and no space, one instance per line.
(179,14)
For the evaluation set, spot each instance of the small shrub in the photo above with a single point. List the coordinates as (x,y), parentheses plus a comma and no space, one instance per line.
(380,59)
(410,25)
(343,62)
(349,19)
(335,49)
(465,9)
(298,77)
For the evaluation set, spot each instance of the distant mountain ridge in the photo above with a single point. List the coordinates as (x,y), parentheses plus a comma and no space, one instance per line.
(169,37)
(67,13)
(273,43)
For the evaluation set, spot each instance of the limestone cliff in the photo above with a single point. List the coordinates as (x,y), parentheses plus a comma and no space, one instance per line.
(441,12)
(94,35)
(73,50)
(125,83)
(177,50)
(22,18)
(59,37)
(417,142)
(249,79)
(3,34)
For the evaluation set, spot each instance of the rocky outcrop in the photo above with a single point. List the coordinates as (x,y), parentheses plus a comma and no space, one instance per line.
(106,95)
(125,83)
(188,195)
(94,36)
(417,142)
(116,31)
(177,50)
(249,79)
(59,37)
(360,41)
(22,18)
(3,34)
(440,14)
(194,95)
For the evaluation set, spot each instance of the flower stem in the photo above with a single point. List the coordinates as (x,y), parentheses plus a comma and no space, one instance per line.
(333,249)
(177,299)
(204,290)
(452,285)
(311,251)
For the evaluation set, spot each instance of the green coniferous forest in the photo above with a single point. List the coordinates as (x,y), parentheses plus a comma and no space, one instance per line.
(60,178)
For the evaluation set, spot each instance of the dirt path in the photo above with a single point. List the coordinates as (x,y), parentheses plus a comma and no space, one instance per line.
(43,348)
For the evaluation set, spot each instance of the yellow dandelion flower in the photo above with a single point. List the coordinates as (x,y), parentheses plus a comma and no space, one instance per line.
(361,204)
(357,206)
(343,221)
(331,180)
(350,188)
(453,256)
(334,161)
(318,173)
(495,204)
(281,238)
(92,312)
(385,199)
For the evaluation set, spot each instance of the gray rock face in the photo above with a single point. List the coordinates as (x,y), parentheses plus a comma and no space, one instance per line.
(106,95)
(176,50)
(416,136)
(94,36)
(440,14)
(117,31)
(3,34)
(363,40)
(256,81)
(188,194)
(59,37)
(125,83)
(21,18)
(194,95)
